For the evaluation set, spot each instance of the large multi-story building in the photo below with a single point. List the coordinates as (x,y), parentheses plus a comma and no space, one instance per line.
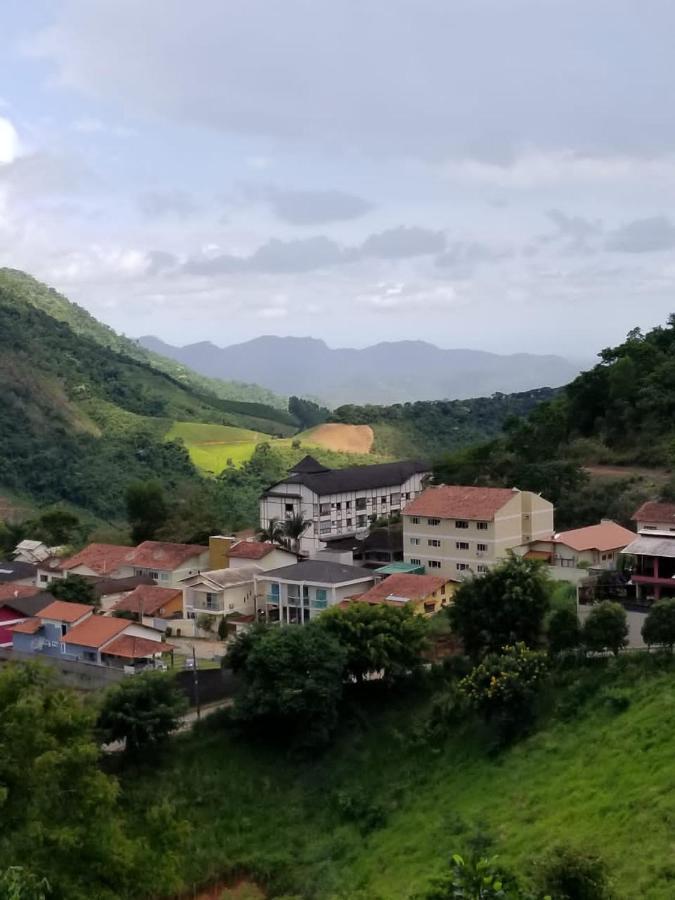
(340,502)
(456,531)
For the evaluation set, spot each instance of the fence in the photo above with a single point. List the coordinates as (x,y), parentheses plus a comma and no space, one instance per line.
(212,684)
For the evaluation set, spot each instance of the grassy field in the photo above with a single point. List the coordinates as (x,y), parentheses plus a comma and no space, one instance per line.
(378,815)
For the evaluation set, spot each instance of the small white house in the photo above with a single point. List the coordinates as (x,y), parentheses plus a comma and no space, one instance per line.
(220,592)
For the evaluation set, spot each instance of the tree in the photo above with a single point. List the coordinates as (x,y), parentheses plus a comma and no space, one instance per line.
(307,412)
(564,631)
(294,528)
(503,688)
(659,626)
(474,878)
(274,533)
(505,606)
(17,883)
(292,680)
(74,589)
(569,874)
(377,638)
(147,510)
(222,628)
(56,526)
(606,627)
(142,711)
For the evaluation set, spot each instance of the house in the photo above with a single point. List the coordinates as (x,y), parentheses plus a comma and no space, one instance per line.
(150,601)
(381,546)
(243,554)
(89,640)
(33,552)
(340,502)
(17,608)
(167,563)
(221,592)
(454,529)
(107,560)
(296,594)
(46,632)
(425,594)
(16,572)
(570,554)
(654,552)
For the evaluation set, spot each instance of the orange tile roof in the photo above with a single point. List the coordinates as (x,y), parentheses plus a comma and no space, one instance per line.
(163,554)
(148,597)
(30,626)
(95,631)
(63,611)
(131,647)
(11,589)
(252,549)
(653,511)
(602,537)
(403,587)
(100,558)
(455,501)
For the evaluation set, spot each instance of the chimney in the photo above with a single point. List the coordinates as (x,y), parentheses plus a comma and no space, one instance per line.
(219,551)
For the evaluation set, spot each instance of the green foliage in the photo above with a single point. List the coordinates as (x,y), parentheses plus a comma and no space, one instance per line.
(473,879)
(659,625)
(563,630)
(377,638)
(504,687)
(74,589)
(222,628)
(17,883)
(146,509)
(568,874)
(142,711)
(292,679)
(606,628)
(307,412)
(504,606)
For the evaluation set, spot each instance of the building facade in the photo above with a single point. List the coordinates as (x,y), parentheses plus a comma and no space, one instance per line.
(460,531)
(653,552)
(341,502)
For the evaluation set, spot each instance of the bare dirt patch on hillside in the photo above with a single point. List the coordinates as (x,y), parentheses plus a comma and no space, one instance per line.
(656,475)
(343,438)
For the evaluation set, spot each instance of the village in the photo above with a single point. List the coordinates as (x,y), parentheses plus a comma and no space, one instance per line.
(377,534)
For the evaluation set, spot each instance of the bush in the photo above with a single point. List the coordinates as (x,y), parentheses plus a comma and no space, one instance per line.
(606,628)
(142,711)
(659,626)
(569,874)
(564,631)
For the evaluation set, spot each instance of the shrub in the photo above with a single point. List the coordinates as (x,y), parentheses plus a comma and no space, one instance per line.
(606,627)
(141,711)
(564,631)
(659,626)
(569,874)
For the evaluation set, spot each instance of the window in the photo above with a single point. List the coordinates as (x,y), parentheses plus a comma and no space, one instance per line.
(383,500)
(338,506)
(434,564)
(481,569)
(415,541)
(429,608)
(288,507)
(482,548)
(407,495)
(434,542)
(361,503)
(361,521)
(461,523)
(325,527)
(321,599)
(462,545)
(324,509)
(44,579)
(415,562)
(348,504)
(415,520)
(433,521)
(482,526)
(164,576)
(211,601)
(462,567)
(395,499)
(349,523)
(443,590)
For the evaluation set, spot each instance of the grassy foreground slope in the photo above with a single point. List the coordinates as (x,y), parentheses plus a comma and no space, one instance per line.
(381,811)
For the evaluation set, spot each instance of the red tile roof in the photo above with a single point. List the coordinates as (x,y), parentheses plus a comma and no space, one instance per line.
(11,589)
(403,587)
(62,611)
(95,631)
(602,537)
(252,549)
(30,626)
(455,501)
(163,555)
(100,558)
(148,597)
(131,647)
(653,511)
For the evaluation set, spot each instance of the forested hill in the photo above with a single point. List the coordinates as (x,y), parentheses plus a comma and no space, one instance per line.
(432,427)
(80,420)
(28,290)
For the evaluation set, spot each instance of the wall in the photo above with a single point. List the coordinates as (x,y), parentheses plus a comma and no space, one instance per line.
(274,560)
(78,675)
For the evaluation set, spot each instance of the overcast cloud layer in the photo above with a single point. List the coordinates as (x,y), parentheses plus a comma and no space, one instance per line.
(497,174)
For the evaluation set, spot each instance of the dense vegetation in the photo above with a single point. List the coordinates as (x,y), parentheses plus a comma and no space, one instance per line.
(429,428)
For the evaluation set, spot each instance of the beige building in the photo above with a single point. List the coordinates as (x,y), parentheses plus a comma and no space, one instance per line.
(220,592)
(457,531)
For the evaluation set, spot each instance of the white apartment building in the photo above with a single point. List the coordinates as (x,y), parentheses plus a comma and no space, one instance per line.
(456,531)
(341,502)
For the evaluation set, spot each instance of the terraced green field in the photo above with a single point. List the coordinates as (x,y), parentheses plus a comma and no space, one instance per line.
(213,447)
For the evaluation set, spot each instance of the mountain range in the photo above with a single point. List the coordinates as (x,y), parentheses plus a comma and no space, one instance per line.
(390,372)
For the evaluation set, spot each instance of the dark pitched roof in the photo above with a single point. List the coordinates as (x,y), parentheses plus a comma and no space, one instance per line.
(357,478)
(318,572)
(15,571)
(29,606)
(308,465)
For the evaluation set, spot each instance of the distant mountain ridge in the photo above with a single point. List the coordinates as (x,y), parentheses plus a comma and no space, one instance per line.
(387,372)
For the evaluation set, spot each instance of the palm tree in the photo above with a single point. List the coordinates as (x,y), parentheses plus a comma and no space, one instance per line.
(274,533)
(293,530)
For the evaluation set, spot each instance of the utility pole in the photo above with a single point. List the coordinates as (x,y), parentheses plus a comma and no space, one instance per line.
(195,679)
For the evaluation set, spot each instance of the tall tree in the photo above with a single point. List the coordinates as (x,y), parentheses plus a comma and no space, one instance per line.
(606,627)
(142,711)
(293,530)
(147,509)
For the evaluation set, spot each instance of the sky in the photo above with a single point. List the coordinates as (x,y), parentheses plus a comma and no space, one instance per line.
(495,174)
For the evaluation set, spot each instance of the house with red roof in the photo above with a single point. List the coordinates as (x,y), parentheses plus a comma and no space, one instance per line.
(260,553)
(167,563)
(458,531)
(570,554)
(148,602)
(425,594)
(653,552)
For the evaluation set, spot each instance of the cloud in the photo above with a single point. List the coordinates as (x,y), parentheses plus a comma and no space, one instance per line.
(402,242)
(467,254)
(315,207)
(97,126)
(9,141)
(160,262)
(643,236)
(399,297)
(423,78)
(167,204)
(577,232)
